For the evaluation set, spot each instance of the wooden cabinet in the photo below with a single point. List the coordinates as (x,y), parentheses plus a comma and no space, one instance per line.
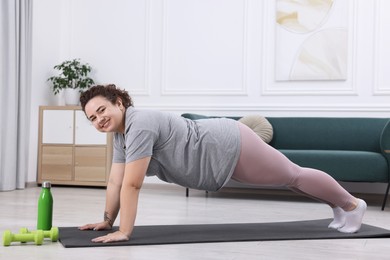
(71,150)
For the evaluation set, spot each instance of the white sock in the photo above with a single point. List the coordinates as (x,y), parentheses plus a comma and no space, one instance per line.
(338,218)
(353,218)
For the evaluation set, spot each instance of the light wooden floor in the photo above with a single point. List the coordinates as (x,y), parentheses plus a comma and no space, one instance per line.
(167,204)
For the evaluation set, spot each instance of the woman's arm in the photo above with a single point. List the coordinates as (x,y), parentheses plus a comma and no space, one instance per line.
(112,198)
(131,185)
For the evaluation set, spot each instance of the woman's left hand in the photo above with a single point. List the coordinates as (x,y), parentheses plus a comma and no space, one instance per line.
(111,237)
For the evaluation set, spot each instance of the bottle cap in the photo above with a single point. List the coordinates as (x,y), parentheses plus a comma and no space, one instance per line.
(46,184)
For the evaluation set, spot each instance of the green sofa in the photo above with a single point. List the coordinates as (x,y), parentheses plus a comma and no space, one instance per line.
(349,149)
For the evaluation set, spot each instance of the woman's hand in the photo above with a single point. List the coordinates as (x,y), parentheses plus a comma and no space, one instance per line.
(112,237)
(97,226)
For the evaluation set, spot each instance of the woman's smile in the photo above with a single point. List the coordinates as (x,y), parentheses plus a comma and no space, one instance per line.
(105,123)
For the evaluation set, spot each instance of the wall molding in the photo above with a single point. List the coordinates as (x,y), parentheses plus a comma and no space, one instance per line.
(168,91)
(239,108)
(67,36)
(379,89)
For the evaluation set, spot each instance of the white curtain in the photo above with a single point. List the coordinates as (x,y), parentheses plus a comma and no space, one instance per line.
(15,67)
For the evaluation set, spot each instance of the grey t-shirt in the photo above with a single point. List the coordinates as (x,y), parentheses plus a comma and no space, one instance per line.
(200,154)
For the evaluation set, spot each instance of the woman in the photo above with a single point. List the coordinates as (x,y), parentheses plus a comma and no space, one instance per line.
(201,154)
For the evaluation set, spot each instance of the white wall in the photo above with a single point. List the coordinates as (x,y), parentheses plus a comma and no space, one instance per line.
(206,56)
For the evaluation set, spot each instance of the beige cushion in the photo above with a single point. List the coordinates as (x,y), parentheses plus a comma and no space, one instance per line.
(259,125)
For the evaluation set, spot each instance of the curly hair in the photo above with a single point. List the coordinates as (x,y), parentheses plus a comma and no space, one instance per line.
(110,92)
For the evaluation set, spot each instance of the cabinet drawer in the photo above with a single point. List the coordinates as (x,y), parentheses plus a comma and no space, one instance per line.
(57,163)
(90,164)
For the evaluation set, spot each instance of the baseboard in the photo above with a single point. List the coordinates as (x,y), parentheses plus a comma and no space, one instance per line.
(31,184)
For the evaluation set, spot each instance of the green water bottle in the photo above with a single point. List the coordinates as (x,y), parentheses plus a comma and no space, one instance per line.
(45,207)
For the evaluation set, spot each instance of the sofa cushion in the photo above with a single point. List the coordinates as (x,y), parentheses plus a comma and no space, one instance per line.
(259,125)
(354,134)
(343,165)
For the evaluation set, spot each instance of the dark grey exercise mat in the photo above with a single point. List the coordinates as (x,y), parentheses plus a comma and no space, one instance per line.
(208,233)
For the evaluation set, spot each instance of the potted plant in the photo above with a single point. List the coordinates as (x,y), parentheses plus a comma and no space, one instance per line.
(72,78)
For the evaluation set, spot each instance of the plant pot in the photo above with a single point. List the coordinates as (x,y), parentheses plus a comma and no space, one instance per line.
(72,97)
(61,98)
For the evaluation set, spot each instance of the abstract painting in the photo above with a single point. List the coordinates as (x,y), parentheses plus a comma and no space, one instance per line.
(311,40)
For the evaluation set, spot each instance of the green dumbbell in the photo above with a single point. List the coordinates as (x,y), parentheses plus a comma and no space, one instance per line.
(52,233)
(8,237)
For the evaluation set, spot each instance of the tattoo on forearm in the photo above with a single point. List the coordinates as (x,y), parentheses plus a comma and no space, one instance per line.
(107,219)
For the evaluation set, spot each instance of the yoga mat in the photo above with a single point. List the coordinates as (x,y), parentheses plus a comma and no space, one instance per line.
(209,233)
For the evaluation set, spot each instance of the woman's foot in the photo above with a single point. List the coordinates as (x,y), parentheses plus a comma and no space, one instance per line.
(338,218)
(353,218)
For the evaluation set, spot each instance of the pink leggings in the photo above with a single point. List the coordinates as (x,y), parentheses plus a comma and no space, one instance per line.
(261,164)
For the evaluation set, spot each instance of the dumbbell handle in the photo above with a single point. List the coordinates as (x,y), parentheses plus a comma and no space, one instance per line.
(52,233)
(23,237)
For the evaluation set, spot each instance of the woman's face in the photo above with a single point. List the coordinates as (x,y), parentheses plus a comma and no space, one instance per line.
(105,116)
